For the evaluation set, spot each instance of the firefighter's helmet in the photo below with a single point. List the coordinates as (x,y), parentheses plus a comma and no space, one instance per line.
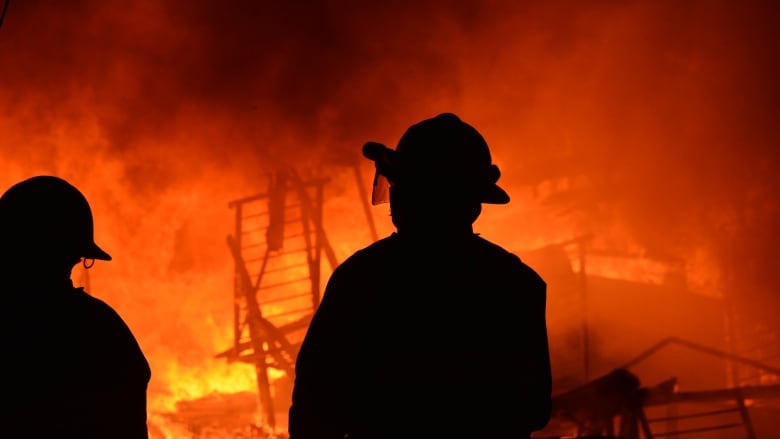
(441,152)
(46,214)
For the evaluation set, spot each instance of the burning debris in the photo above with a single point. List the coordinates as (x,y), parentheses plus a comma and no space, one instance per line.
(219,416)
(661,144)
(617,405)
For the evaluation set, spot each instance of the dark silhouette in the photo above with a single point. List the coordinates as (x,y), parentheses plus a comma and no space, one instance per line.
(432,331)
(71,367)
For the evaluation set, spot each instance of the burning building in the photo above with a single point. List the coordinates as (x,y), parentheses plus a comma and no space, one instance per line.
(638,140)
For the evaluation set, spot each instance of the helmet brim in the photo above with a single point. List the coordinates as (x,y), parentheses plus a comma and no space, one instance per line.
(493,194)
(94,252)
(385,160)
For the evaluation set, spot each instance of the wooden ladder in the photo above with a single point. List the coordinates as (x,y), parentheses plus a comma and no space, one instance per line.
(277,247)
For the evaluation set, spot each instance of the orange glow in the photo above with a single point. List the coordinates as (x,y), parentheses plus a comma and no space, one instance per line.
(650,126)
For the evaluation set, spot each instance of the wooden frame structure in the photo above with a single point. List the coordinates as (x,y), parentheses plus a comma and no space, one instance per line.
(615,406)
(278,247)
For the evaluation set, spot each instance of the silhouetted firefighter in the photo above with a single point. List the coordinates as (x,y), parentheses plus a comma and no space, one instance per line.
(433,331)
(71,367)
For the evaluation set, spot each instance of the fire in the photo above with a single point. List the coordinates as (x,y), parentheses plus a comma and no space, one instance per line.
(650,127)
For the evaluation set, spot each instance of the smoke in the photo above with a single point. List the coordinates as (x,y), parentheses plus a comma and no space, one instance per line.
(275,76)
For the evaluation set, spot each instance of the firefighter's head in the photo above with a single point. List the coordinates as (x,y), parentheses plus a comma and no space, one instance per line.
(46,219)
(441,170)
